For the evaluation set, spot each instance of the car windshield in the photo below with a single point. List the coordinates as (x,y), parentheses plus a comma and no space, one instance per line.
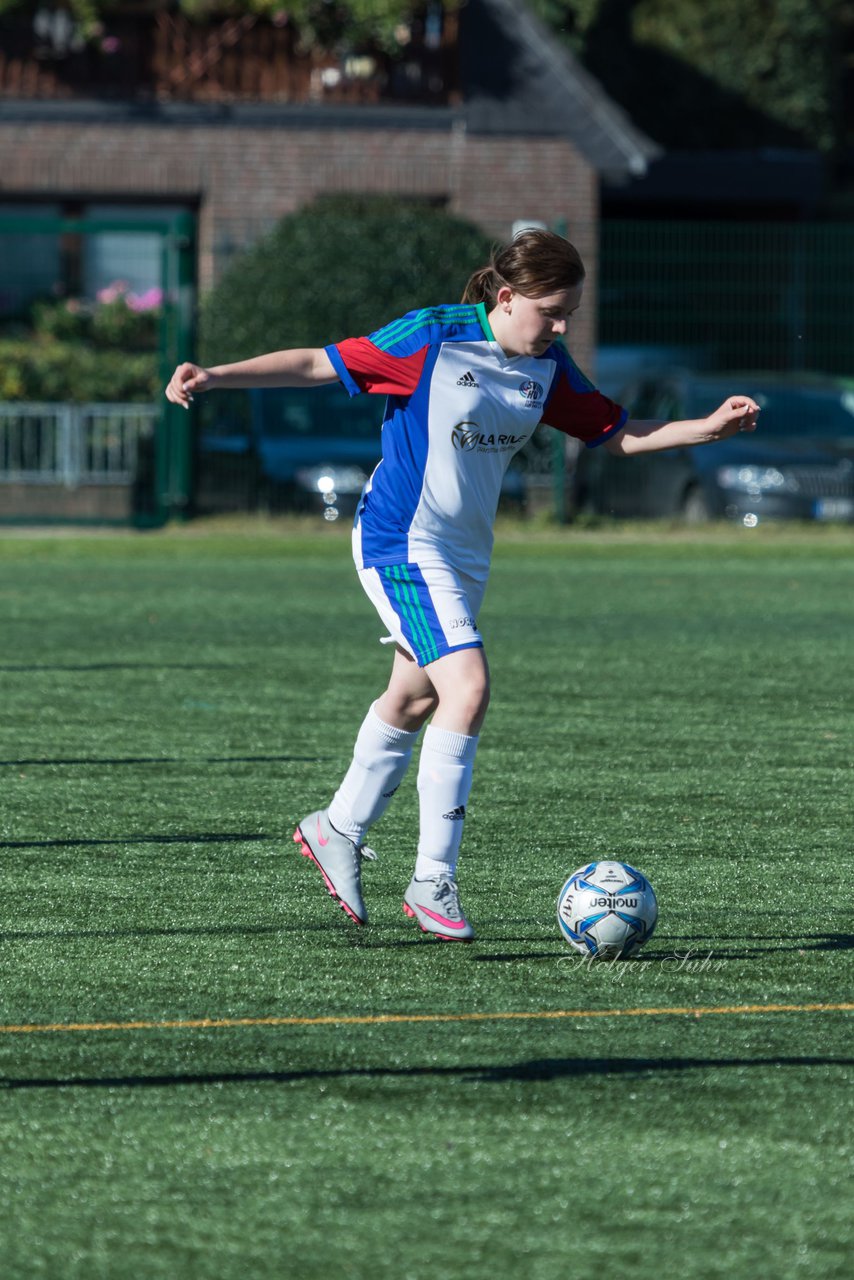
(786,411)
(318,411)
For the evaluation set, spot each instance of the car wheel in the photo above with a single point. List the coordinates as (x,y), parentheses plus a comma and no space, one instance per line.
(695,508)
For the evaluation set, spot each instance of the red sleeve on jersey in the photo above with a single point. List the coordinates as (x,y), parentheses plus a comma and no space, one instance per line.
(587,415)
(379,371)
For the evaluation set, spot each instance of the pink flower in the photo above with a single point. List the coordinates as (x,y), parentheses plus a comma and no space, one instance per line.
(148,301)
(111,44)
(112,292)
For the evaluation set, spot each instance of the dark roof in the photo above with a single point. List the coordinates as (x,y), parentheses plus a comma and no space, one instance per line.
(251,115)
(518,77)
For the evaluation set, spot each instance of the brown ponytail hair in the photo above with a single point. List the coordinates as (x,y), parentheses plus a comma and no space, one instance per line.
(535,264)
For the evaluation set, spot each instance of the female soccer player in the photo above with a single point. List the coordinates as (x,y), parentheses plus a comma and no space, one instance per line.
(466,386)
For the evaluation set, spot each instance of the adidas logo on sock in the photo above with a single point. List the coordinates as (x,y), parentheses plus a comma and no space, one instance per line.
(468,380)
(456,815)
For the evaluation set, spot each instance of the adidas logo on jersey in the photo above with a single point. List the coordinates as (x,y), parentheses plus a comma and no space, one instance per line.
(468,380)
(456,815)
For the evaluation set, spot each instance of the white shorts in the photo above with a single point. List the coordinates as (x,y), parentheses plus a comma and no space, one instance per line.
(430,610)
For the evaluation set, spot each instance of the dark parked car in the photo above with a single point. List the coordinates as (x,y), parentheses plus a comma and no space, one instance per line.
(295,449)
(798,465)
(286,450)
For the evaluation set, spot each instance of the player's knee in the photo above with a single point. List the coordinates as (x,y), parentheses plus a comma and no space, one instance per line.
(471,699)
(421,706)
(483,694)
(408,709)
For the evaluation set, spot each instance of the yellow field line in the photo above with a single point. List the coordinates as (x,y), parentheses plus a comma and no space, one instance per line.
(385,1019)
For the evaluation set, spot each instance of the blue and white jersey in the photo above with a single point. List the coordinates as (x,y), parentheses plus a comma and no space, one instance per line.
(458,409)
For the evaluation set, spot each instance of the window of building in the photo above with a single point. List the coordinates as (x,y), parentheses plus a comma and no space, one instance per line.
(30,262)
(131,257)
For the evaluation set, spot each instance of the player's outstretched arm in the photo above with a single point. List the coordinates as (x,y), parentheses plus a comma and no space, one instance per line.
(300,367)
(737,413)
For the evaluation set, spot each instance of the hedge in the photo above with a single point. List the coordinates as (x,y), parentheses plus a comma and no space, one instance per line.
(342,266)
(61,371)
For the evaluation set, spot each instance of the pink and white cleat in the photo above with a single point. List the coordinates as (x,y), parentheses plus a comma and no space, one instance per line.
(435,904)
(339,861)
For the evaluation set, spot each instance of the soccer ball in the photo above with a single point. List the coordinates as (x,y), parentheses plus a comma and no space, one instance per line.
(607,910)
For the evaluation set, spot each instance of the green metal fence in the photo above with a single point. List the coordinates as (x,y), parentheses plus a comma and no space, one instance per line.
(715,295)
(732,295)
(132,461)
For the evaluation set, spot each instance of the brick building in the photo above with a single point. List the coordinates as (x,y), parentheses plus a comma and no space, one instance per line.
(509,128)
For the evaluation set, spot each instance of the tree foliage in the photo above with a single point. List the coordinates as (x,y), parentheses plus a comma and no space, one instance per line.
(328,23)
(714,72)
(342,266)
(776,55)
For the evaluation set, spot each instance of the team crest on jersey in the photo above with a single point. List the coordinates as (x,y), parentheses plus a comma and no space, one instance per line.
(532,393)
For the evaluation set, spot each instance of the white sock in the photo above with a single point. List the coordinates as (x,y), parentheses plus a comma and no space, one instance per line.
(444,782)
(381,757)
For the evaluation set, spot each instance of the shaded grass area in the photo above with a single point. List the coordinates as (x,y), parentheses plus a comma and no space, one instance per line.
(173,704)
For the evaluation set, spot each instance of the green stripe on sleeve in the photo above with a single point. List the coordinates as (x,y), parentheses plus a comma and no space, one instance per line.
(399,330)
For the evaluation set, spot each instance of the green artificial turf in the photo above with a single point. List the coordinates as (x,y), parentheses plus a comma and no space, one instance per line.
(173,703)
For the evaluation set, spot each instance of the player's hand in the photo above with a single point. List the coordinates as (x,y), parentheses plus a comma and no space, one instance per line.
(737,413)
(186,381)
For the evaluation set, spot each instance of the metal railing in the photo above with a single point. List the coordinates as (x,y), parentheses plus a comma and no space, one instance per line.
(73,444)
(97,446)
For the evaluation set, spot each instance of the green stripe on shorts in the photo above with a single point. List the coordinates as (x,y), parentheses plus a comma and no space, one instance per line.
(406,595)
